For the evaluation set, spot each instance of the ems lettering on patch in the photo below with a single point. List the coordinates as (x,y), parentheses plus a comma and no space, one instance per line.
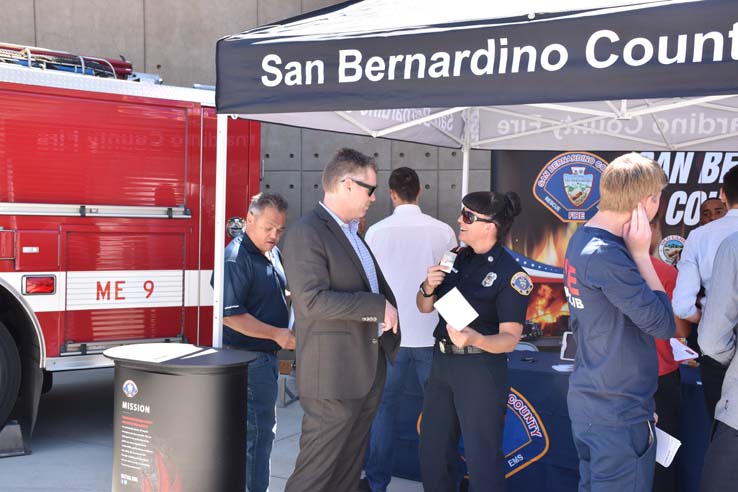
(522,283)
(489,279)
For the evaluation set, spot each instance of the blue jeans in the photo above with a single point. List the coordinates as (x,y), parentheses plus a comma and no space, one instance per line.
(615,458)
(261,420)
(380,451)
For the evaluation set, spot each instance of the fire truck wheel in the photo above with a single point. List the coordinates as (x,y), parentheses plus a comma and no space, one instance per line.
(10,374)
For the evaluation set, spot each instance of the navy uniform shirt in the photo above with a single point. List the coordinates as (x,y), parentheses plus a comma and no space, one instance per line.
(614,317)
(493,283)
(255,285)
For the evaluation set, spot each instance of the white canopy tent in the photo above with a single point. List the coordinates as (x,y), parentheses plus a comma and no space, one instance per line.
(656,75)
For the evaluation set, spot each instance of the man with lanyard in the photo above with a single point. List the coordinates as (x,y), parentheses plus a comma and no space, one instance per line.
(255,318)
(695,272)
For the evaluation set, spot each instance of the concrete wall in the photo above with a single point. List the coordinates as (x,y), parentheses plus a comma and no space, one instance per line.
(293,159)
(176,39)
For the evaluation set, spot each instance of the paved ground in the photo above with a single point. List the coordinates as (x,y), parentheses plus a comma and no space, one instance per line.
(72,444)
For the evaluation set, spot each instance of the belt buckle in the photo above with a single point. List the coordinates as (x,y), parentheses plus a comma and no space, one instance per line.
(442,346)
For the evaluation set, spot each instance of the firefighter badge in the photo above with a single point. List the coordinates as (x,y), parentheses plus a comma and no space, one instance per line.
(489,279)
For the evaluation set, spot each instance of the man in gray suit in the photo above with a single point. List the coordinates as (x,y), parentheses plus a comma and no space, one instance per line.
(346,326)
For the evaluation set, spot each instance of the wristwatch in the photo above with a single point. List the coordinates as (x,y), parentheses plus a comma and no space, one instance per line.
(422,292)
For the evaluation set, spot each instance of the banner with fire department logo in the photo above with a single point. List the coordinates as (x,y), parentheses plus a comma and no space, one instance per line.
(560,191)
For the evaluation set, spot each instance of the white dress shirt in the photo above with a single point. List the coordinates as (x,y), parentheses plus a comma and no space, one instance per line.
(405,244)
(695,265)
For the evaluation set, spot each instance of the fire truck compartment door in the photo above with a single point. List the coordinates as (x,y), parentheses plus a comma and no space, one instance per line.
(37,251)
(7,245)
(124,285)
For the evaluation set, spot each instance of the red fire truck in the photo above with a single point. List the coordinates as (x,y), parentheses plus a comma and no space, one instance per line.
(107,203)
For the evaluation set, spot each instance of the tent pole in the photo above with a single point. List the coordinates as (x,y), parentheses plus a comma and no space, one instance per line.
(465,149)
(221,161)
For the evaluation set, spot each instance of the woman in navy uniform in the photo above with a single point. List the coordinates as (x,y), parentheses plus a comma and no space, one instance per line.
(468,386)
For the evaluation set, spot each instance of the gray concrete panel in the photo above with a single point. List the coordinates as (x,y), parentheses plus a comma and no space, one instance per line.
(479,181)
(286,184)
(449,197)
(453,159)
(17,26)
(319,147)
(276,10)
(312,190)
(181,37)
(415,156)
(449,158)
(280,148)
(429,192)
(382,206)
(92,27)
(310,5)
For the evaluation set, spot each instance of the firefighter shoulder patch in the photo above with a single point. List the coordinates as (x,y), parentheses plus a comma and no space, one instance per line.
(522,283)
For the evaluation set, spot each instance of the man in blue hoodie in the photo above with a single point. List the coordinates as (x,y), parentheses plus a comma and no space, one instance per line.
(618,305)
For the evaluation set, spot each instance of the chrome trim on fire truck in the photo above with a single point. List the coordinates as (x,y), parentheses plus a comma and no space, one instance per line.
(95,361)
(32,317)
(84,349)
(67,210)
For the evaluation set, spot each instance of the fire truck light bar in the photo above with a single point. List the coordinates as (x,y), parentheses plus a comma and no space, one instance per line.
(39,285)
(66,210)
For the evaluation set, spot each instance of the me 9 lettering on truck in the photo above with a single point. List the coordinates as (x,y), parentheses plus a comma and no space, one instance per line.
(107,204)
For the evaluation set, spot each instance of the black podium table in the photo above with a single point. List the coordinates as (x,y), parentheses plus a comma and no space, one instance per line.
(179,420)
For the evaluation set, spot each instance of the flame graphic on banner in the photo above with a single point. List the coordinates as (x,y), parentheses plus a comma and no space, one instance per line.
(548,308)
(550,247)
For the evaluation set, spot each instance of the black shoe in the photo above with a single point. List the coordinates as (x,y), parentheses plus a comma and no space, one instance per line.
(364,486)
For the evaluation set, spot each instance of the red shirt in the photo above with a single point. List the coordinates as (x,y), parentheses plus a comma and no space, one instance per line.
(667,274)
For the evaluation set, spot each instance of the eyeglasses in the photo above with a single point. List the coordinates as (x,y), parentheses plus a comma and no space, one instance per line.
(368,187)
(470,217)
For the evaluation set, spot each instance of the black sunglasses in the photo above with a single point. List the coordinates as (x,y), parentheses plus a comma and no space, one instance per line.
(369,187)
(470,217)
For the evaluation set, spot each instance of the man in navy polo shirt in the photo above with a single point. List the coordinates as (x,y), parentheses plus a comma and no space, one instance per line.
(255,317)
(618,305)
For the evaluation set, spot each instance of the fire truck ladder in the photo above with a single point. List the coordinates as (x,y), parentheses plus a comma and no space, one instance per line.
(31,56)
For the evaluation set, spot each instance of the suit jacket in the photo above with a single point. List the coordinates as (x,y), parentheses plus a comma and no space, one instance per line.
(336,313)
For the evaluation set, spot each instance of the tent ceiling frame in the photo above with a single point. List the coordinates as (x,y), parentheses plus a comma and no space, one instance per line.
(418,121)
(557,124)
(357,124)
(408,124)
(719,107)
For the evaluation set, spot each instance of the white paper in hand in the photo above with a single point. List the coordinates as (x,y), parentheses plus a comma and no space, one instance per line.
(666,447)
(681,352)
(455,309)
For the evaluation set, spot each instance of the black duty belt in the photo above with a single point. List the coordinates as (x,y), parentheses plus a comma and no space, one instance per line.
(446,347)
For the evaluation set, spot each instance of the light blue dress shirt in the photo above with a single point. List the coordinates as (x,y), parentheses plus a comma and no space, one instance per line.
(351,230)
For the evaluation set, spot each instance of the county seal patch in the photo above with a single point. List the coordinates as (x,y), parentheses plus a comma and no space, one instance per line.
(670,249)
(522,283)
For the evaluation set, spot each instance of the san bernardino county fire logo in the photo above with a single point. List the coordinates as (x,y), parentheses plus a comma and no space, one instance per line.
(569,185)
(130,389)
(525,439)
(670,249)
